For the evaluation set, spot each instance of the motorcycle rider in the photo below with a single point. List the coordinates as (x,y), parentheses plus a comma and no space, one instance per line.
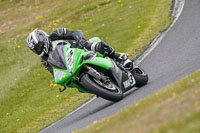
(42,44)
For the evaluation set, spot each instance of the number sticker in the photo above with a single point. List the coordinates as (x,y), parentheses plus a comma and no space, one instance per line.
(131,79)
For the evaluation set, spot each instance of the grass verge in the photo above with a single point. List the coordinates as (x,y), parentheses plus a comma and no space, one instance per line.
(173,109)
(29,100)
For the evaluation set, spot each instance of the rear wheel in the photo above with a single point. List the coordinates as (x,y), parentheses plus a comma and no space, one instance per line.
(108,90)
(140,76)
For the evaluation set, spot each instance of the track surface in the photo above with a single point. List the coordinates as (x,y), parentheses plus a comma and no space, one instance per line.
(177,55)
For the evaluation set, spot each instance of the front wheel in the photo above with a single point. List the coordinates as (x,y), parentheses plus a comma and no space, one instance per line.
(109,91)
(140,76)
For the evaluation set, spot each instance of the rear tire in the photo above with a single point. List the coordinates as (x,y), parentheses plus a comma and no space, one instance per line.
(140,76)
(89,83)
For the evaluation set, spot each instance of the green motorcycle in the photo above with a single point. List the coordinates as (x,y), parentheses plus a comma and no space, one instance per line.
(91,72)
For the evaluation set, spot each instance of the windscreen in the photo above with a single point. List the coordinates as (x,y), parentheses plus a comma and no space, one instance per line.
(56,57)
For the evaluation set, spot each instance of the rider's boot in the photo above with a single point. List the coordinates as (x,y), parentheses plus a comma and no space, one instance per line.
(128,64)
(123,57)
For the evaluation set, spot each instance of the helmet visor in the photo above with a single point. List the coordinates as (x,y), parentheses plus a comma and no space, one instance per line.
(39,48)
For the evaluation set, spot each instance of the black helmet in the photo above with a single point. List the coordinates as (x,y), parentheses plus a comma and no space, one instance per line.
(38,41)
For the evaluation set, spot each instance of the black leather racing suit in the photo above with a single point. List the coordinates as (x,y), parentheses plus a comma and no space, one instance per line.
(78,37)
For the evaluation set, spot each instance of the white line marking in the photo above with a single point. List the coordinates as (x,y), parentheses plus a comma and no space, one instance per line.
(179,5)
(77,109)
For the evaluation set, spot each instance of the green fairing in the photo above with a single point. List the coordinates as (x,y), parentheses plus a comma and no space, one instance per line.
(102,62)
(64,77)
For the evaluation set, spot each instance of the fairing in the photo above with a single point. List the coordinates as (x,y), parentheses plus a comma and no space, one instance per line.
(68,61)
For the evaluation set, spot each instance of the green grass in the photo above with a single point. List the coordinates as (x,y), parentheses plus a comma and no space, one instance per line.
(27,101)
(173,109)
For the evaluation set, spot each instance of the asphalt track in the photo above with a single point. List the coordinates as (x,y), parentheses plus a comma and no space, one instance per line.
(177,55)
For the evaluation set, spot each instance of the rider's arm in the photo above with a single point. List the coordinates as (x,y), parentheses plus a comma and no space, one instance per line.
(77,35)
(47,66)
(65,34)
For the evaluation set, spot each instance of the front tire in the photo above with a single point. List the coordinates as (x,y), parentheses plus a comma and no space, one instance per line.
(140,76)
(91,84)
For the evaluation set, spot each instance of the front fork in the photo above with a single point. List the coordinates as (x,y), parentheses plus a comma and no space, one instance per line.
(96,74)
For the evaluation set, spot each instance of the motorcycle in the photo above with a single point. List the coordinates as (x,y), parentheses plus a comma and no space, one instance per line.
(91,72)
